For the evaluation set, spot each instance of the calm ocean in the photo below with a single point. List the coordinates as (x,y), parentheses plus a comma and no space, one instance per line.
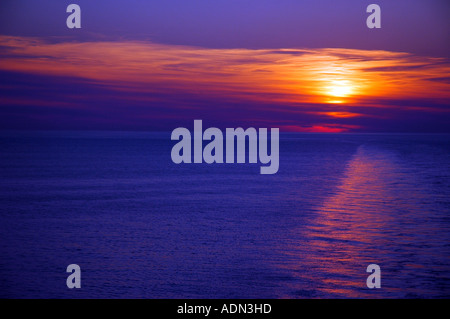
(141,226)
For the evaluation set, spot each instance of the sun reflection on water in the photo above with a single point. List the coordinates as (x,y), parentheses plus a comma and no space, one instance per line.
(365,221)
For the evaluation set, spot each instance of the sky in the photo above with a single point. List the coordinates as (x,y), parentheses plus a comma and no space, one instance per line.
(302,66)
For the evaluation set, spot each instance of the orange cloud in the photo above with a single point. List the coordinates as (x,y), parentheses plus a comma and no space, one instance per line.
(323,128)
(341,114)
(289,74)
(336,80)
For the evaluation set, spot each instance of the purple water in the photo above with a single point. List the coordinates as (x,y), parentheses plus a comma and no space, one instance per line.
(140,226)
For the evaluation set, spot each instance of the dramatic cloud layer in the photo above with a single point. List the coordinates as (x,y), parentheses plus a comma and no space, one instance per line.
(139,85)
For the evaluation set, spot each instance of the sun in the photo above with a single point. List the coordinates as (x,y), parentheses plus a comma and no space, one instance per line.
(341,88)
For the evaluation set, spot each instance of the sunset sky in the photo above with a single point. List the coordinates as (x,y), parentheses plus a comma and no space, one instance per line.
(303,66)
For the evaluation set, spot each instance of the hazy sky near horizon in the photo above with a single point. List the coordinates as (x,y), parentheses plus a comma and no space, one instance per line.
(308,66)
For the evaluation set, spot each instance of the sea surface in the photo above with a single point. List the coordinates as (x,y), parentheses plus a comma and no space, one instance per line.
(140,226)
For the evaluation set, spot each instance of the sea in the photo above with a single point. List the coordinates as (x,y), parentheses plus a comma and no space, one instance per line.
(140,226)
